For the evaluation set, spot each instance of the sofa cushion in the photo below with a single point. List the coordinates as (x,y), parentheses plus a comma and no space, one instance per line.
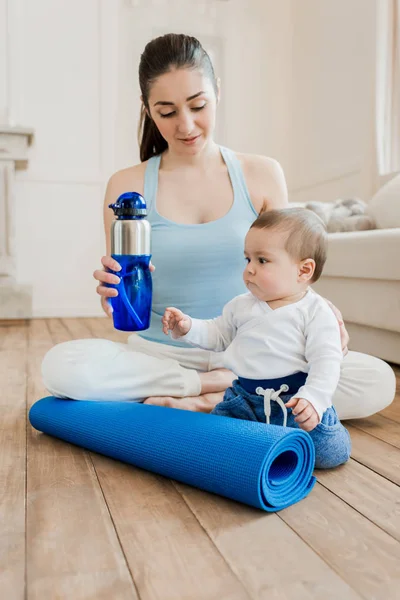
(384,207)
(371,302)
(371,254)
(377,342)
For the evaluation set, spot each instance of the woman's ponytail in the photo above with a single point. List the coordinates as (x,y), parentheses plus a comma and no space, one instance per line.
(151,141)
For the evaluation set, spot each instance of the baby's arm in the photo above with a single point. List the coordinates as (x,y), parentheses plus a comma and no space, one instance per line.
(175,321)
(306,416)
(212,334)
(324,356)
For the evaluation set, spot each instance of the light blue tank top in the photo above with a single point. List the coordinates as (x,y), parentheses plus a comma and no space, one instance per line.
(198,267)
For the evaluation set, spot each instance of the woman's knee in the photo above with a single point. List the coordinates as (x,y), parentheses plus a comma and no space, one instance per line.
(384,380)
(367,385)
(71,369)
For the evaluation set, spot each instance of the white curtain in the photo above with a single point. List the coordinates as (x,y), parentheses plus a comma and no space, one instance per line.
(388,87)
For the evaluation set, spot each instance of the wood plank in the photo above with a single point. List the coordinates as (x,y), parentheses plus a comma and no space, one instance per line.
(77,328)
(58,331)
(100,327)
(13,322)
(103,328)
(72,547)
(13,355)
(12,337)
(265,553)
(370,494)
(366,557)
(167,550)
(375,454)
(379,427)
(393,411)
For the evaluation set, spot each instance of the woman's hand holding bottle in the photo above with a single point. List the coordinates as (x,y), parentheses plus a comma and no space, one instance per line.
(105,278)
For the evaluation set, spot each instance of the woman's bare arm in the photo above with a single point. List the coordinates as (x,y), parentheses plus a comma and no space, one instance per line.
(265,181)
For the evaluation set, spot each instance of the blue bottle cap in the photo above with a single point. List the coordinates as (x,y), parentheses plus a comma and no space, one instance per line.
(129,204)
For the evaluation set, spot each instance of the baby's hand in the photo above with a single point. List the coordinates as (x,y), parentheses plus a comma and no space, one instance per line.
(176,321)
(307,417)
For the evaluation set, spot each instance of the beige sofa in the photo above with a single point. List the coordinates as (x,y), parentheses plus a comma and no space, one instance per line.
(362,277)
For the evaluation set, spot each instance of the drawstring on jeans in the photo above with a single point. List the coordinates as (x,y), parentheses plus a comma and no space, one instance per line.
(270,394)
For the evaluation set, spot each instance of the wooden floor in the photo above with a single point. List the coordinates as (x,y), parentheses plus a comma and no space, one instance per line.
(76,525)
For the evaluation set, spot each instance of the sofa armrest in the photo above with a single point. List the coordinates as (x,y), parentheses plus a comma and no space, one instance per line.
(384,207)
(373,254)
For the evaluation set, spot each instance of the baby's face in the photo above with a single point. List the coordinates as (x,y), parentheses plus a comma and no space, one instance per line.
(270,272)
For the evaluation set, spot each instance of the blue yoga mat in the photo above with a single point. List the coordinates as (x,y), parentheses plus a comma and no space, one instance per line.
(266,466)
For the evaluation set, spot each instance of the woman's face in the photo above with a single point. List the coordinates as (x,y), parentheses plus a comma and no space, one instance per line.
(183,104)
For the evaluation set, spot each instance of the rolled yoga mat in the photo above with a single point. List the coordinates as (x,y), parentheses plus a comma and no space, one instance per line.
(265,466)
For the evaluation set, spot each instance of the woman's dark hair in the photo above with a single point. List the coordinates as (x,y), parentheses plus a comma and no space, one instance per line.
(160,56)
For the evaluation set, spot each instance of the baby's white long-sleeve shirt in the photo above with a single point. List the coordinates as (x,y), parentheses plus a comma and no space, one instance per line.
(265,343)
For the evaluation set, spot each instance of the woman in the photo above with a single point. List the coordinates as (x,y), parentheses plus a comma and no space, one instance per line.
(201,200)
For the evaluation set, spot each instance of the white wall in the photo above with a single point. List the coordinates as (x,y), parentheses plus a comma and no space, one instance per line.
(68,63)
(256,79)
(333,53)
(295,83)
(3,62)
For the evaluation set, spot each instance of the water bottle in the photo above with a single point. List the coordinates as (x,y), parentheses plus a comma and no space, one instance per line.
(130,246)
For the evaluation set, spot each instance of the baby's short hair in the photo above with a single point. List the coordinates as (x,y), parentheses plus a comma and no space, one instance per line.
(307,235)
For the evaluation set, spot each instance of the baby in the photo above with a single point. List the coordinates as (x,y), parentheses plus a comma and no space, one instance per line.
(281,338)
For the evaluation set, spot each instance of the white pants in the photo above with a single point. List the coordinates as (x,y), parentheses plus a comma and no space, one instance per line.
(97,369)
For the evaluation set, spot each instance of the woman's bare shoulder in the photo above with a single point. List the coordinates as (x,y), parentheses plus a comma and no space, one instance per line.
(257,161)
(265,181)
(130,179)
(261,169)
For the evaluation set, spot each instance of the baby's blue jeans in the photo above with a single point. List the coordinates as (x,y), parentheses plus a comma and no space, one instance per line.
(331,440)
